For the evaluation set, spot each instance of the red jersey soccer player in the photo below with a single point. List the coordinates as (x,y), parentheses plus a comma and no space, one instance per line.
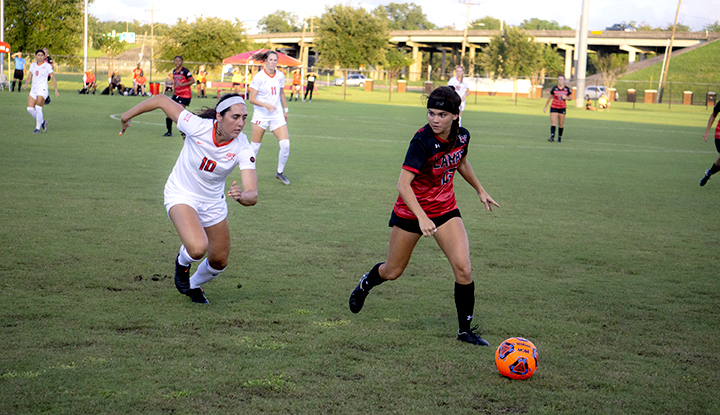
(426,207)
(182,79)
(559,94)
(716,166)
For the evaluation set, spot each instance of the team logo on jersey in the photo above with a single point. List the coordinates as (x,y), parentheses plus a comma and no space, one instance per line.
(230,156)
(252,159)
(463,138)
(437,145)
(187,117)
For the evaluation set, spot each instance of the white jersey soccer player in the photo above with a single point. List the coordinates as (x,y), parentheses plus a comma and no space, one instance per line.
(39,72)
(270,109)
(268,91)
(461,87)
(203,165)
(40,75)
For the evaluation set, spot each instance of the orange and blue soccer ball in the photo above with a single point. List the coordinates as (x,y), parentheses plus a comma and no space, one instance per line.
(516,358)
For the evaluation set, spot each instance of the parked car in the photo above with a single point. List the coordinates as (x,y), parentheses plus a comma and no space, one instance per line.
(354,79)
(594,92)
(621,27)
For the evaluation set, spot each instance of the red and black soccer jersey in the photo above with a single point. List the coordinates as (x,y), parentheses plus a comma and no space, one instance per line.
(556,93)
(182,75)
(434,166)
(716,111)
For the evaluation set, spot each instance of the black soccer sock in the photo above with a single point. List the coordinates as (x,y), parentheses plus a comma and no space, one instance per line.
(12,87)
(168,124)
(373,279)
(560,130)
(464,303)
(714,169)
(552,131)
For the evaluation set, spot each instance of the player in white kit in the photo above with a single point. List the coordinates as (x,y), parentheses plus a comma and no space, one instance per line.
(38,74)
(267,95)
(462,87)
(195,191)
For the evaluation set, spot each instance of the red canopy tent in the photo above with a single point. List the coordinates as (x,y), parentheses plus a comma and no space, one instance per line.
(5,48)
(245,58)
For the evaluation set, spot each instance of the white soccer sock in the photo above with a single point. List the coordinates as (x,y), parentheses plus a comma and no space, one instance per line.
(38,116)
(32,112)
(184,258)
(203,274)
(283,154)
(255,146)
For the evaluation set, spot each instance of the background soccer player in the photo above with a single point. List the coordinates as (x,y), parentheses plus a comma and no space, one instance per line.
(462,87)
(183,80)
(559,94)
(39,73)
(426,207)
(267,95)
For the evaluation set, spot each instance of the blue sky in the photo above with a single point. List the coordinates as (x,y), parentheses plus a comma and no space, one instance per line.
(603,13)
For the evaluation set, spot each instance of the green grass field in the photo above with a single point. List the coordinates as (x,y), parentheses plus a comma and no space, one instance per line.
(604,253)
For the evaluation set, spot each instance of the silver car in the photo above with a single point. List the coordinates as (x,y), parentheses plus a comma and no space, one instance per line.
(594,92)
(354,79)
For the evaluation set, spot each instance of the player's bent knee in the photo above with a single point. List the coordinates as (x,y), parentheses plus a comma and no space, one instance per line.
(196,252)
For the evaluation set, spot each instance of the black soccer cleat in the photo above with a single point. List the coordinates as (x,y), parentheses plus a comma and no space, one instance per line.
(47,101)
(471,337)
(197,295)
(357,298)
(182,277)
(705,178)
(167,134)
(551,139)
(559,139)
(44,126)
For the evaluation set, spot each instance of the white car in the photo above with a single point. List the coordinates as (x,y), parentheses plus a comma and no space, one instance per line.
(354,79)
(594,92)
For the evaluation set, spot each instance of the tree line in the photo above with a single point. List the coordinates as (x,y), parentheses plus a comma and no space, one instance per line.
(345,36)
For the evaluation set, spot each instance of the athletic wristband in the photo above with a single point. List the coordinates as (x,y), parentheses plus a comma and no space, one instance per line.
(287,110)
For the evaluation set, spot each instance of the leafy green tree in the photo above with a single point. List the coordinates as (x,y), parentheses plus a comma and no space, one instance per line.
(34,24)
(712,27)
(538,24)
(207,39)
(486,23)
(280,22)
(515,54)
(405,16)
(680,28)
(610,67)
(395,61)
(350,37)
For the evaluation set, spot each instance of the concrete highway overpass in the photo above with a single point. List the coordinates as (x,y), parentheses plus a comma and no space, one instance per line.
(449,42)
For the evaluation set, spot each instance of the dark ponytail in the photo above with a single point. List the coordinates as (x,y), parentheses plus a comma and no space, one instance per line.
(210,113)
(263,56)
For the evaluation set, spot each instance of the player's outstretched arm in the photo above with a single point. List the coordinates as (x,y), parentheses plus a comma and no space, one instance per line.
(171,109)
(547,102)
(468,174)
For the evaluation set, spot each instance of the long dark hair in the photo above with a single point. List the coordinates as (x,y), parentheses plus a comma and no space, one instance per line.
(210,113)
(262,56)
(448,94)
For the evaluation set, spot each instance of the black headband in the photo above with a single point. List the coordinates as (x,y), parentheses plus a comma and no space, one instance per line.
(443,104)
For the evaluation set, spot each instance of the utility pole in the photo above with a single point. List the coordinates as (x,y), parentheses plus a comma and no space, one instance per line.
(152,41)
(467,22)
(85,41)
(2,39)
(667,63)
(582,56)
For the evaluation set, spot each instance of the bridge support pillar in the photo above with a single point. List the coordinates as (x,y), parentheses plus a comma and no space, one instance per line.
(416,67)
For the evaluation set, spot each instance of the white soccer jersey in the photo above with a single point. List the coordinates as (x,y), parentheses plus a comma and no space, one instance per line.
(40,75)
(203,165)
(268,90)
(461,87)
